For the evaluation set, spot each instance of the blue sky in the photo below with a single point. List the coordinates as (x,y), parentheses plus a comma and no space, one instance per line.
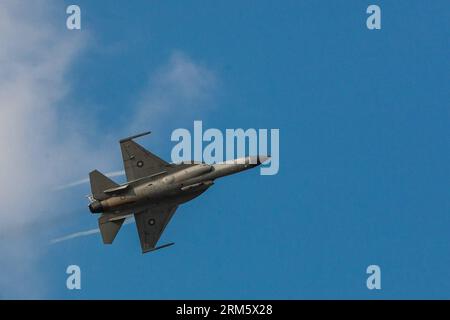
(364,148)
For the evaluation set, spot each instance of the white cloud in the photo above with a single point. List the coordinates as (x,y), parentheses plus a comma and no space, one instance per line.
(176,94)
(34,60)
(41,150)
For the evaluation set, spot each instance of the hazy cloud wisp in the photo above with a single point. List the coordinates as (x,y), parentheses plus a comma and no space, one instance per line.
(36,57)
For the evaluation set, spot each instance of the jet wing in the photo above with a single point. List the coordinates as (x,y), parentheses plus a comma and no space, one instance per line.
(151,224)
(138,161)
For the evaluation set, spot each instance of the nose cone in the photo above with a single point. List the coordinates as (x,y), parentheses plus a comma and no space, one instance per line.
(254,161)
(262,159)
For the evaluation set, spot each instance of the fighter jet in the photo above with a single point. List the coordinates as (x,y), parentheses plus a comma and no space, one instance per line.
(153,191)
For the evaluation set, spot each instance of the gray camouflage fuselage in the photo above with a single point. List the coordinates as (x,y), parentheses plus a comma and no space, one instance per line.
(153,191)
(175,188)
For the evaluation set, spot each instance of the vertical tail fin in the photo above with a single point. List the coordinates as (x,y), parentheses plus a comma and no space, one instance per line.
(100,183)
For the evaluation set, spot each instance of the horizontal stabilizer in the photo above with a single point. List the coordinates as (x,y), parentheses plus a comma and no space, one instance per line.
(109,229)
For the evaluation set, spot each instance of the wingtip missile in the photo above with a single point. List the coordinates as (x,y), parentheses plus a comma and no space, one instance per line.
(160,247)
(135,136)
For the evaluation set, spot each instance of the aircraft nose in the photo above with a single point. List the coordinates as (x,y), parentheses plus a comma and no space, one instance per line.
(262,159)
(254,161)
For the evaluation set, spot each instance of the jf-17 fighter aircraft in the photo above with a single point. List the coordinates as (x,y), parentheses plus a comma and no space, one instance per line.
(153,191)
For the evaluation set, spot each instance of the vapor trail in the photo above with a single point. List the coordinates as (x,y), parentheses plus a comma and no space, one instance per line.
(82,181)
(85,233)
